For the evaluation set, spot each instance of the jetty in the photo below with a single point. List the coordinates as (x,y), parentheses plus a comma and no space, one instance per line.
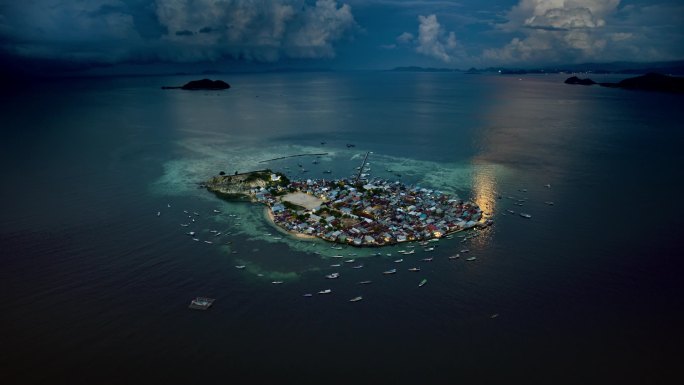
(292,156)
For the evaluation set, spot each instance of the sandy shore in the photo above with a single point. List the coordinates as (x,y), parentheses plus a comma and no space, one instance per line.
(269,214)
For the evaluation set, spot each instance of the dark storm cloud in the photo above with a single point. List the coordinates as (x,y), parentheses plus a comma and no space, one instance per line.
(111,31)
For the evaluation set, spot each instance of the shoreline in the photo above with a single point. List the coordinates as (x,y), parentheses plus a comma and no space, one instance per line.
(269,215)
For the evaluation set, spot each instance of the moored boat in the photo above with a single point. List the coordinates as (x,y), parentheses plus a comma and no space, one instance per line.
(391,271)
(356,299)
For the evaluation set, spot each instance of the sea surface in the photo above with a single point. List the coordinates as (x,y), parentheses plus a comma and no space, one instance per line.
(96,273)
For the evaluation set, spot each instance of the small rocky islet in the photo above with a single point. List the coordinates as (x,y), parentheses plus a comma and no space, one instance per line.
(357,213)
(201,85)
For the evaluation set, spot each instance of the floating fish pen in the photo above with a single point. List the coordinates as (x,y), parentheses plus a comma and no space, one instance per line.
(201,303)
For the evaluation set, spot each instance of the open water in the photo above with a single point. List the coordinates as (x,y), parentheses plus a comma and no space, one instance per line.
(95,287)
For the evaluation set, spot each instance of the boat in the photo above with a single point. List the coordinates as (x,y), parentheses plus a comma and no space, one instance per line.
(357,267)
(349,261)
(457,256)
(332,275)
(511,211)
(422,283)
(391,271)
(471,259)
(195,239)
(327,172)
(356,299)
(240,267)
(216,211)
(365,282)
(336,265)
(414,269)
(400,260)
(196,214)
(427,259)
(168,205)
(277,282)
(549,203)
(201,303)
(525,215)
(326,291)
(336,247)
(464,250)
(158,213)
(430,249)
(185,224)
(307,295)
(210,242)
(337,256)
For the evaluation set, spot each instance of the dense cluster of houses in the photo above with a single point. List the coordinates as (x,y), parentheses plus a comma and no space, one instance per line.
(374,214)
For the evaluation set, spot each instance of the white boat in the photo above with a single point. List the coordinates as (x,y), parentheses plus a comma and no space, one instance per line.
(337,256)
(185,224)
(471,259)
(365,282)
(430,249)
(391,271)
(277,282)
(195,239)
(168,205)
(455,256)
(357,267)
(422,283)
(349,261)
(336,265)
(356,299)
(308,295)
(464,250)
(216,211)
(414,269)
(326,291)
(427,259)
(332,275)
(400,260)
(240,267)
(210,242)
(158,213)
(525,215)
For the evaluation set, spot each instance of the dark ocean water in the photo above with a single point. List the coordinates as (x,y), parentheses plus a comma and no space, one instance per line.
(94,286)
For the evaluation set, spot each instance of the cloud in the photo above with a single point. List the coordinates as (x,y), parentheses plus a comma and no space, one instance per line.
(432,40)
(111,31)
(556,30)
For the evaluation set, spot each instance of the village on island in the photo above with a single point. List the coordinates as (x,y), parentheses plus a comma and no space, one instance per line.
(356,212)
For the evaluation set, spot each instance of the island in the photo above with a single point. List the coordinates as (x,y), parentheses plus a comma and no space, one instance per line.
(363,214)
(204,84)
(648,82)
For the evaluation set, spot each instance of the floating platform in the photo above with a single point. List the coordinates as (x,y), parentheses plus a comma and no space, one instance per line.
(201,303)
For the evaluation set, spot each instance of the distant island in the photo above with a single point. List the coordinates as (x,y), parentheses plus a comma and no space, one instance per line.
(204,84)
(371,213)
(648,82)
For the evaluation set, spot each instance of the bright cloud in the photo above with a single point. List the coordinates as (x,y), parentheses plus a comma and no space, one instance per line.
(432,40)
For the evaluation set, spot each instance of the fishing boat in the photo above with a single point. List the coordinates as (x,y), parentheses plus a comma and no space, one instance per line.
(332,275)
(391,271)
(400,260)
(471,259)
(457,256)
(356,299)
(430,249)
(365,282)
(349,261)
(464,251)
(357,267)
(422,283)
(201,303)
(525,215)
(326,291)
(414,269)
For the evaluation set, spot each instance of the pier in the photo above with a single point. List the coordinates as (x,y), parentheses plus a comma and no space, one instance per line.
(363,164)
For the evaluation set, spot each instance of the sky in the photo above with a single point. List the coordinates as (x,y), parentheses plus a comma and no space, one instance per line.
(78,35)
